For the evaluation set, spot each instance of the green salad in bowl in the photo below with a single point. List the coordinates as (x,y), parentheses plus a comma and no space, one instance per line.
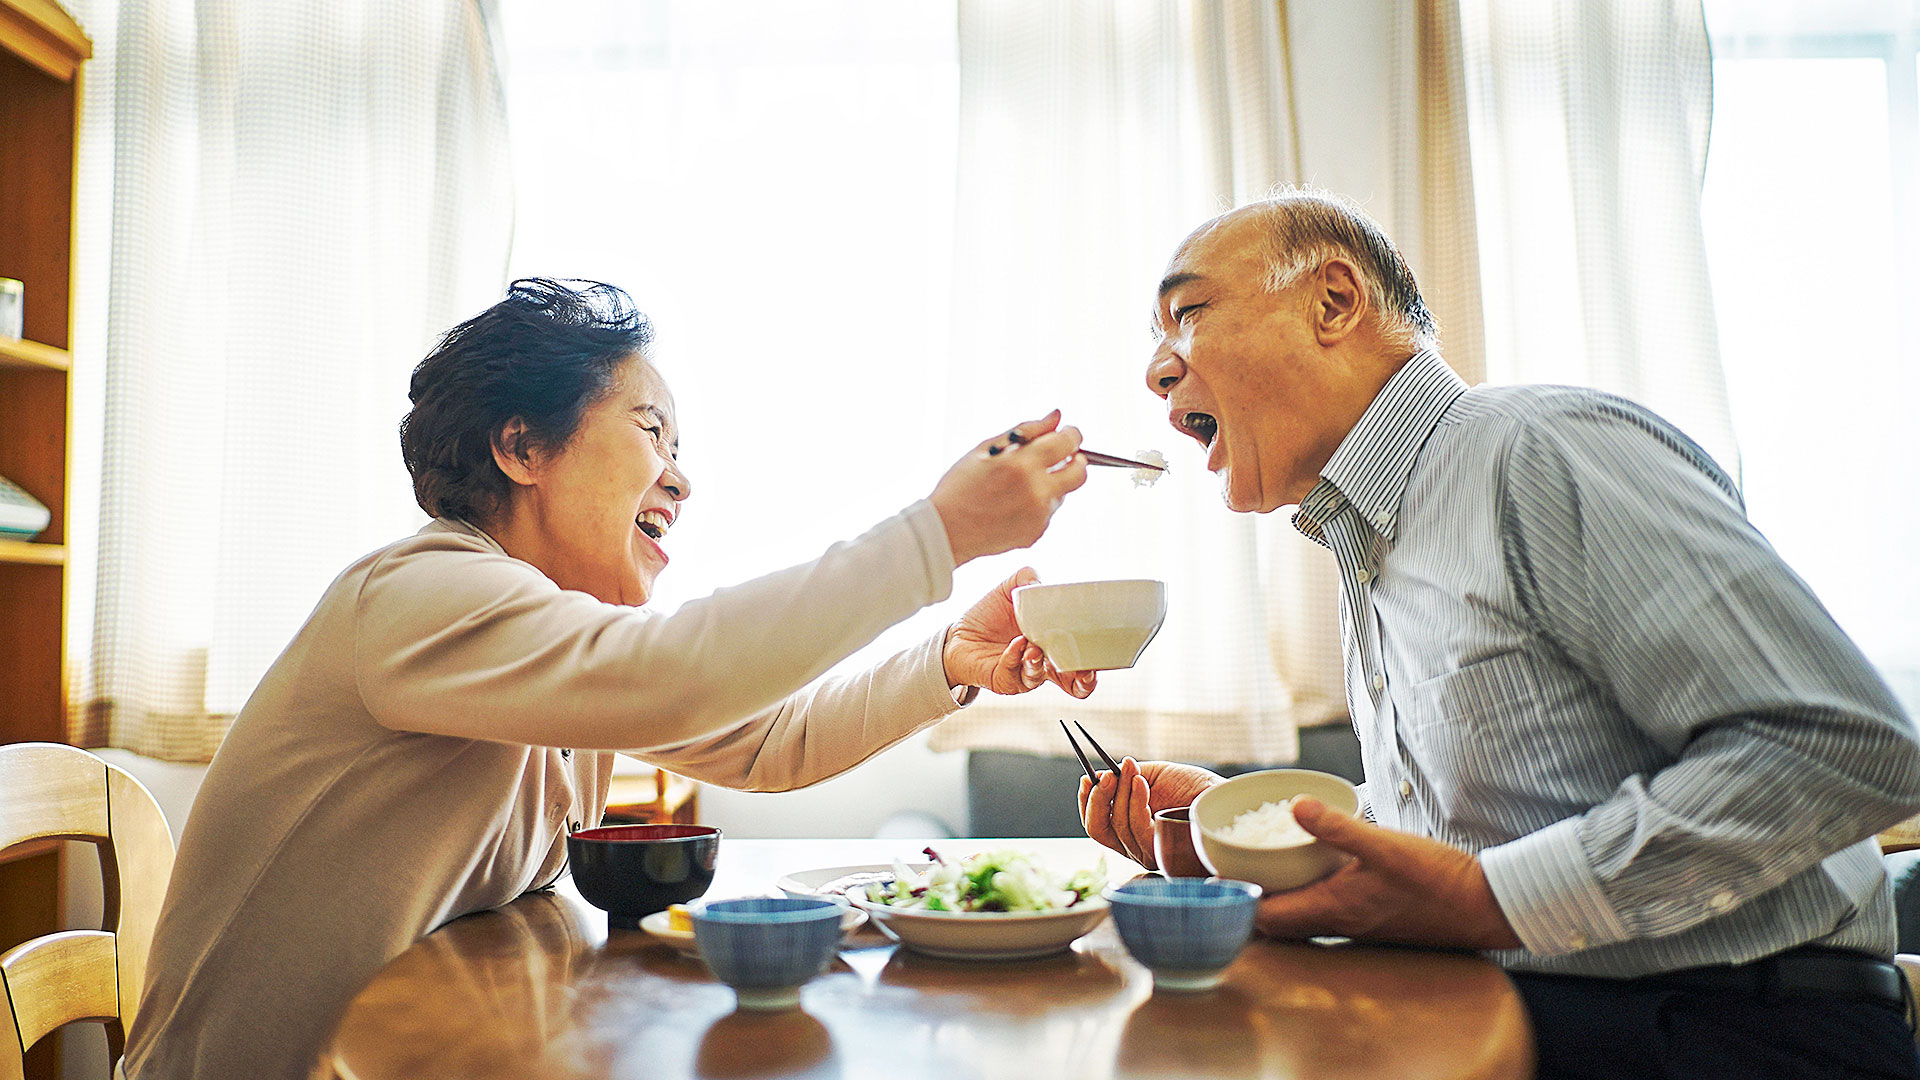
(996,905)
(989,881)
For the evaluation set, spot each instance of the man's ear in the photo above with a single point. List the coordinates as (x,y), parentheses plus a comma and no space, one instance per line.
(1339,301)
(513,452)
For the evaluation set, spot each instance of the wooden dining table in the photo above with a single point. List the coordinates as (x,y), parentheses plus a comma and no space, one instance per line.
(540,988)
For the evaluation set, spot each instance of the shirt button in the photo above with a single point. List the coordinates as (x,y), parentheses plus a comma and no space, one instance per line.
(1721,901)
(1577,941)
(1382,518)
(1379,680)
(1406,789)
(1360,575)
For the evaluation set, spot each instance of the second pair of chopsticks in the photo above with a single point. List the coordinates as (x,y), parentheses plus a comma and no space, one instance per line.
(1094,457)
(1077,752)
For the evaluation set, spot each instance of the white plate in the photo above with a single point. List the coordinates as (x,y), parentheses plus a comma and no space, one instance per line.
(985,935)
(806,884)
(660,925)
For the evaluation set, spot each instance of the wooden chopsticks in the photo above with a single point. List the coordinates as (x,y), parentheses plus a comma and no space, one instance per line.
(1094,457)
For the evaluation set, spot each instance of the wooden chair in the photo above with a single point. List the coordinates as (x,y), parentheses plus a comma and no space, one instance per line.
(643,794)
(1902,837)
(1909,965)
(51,792)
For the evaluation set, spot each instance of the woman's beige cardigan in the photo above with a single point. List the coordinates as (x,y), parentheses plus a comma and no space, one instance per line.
(399,765)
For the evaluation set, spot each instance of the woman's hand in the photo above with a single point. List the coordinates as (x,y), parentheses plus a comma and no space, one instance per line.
(1118,811)
(1004,492)
(986,648)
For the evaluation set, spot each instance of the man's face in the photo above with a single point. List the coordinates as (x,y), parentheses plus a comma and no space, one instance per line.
(1240,368)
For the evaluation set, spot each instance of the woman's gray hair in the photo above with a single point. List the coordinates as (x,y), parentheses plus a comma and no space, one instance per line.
(1307,227)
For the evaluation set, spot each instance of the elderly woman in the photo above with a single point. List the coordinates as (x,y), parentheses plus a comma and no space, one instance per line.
(449,711)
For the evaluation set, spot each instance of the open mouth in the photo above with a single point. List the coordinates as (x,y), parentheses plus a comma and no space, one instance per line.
(1202,426)
(654,523)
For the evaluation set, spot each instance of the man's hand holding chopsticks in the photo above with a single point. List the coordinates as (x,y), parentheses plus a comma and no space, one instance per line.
(1118,811)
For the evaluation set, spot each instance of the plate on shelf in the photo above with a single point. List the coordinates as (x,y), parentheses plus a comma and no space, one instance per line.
(22,517)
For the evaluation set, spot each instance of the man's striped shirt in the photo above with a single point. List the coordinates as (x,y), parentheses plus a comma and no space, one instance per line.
(1569,652)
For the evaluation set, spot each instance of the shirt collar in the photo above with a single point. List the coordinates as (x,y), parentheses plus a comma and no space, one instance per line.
(464,527)
(1369,470)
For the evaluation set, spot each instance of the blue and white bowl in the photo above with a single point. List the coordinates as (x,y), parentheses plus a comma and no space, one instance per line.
(766,948)
(1184,930)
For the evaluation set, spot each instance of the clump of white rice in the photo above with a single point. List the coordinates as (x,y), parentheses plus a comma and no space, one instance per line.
(1269,825)
(1149,477)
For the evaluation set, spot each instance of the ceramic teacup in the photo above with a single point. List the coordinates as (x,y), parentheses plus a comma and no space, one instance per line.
(1173,844)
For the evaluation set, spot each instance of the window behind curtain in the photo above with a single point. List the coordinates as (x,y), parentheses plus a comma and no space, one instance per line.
(788,189)
(1812,214)
(774,185)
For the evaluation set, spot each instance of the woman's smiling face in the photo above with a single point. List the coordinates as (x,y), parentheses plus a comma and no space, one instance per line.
(601,505)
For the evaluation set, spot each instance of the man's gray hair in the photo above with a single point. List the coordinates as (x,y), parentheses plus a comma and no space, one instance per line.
(1307,227)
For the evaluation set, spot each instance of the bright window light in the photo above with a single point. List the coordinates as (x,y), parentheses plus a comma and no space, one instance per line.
(1809,209)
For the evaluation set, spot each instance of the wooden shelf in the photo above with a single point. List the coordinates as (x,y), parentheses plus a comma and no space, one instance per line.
(26,551)
(42,51)
(18,352)
(44,35)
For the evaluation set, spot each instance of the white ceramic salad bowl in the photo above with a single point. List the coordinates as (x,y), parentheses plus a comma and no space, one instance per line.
(1047,914)
(985,935)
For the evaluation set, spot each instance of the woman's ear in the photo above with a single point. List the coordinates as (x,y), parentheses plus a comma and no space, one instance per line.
(513,452)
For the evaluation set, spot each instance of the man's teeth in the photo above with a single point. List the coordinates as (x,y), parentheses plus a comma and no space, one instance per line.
(653,522)
(1201,426)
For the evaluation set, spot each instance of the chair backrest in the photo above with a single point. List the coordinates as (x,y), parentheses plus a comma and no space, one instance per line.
(1904,836)
(56,792)
(1909,966)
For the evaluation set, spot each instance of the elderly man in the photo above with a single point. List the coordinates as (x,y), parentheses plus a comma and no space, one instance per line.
(1610,739)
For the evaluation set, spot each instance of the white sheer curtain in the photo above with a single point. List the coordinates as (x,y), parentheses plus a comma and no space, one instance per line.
(773,183)
(301,197)
(1816,164)
(1093,138)
(1376,111)
(1589,133)
(868,243)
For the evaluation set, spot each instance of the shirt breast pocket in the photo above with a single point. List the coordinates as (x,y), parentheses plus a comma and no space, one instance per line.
(1477,732)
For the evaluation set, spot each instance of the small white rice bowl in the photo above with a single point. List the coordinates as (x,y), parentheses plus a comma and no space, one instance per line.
(1266,852)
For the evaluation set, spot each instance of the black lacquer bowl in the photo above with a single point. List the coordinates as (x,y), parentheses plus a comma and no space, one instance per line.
(632,871)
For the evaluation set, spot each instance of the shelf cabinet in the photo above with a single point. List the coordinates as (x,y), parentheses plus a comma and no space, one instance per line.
(42,51)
